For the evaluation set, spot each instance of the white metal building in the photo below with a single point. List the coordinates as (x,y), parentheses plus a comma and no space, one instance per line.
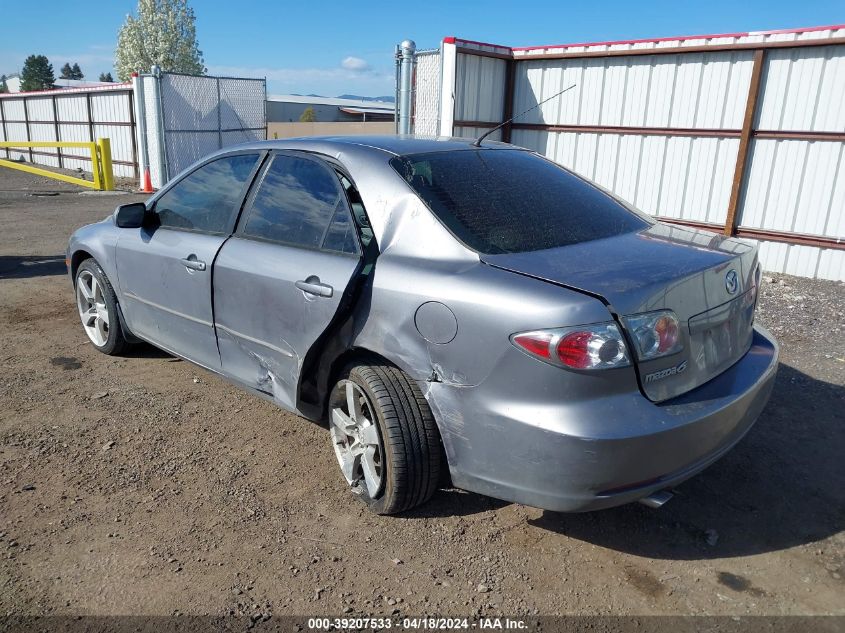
(742,133)
(288,109)
(72,114)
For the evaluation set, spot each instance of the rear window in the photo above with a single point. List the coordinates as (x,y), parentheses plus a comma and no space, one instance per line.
(510,201)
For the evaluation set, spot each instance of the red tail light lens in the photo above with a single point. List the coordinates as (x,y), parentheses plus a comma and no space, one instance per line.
(537,343)
(574,349)
(590,350)
(596,346)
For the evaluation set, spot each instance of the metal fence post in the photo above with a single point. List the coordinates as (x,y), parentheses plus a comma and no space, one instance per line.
(405,89)
(397,62)
(26,122)
(5,133)
(90,105)
(738,182)
(219,117)
(56,128)
(507,114)
(130,99)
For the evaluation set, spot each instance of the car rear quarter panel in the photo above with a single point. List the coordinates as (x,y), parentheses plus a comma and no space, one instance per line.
(488,306)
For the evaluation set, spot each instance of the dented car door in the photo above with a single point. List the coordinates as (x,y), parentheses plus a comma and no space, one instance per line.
(278,281)
(164,267)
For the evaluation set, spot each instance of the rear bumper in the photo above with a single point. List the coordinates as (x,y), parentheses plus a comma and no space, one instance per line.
(600,452)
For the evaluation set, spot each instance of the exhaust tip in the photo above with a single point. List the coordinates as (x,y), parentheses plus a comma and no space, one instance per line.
(656,499)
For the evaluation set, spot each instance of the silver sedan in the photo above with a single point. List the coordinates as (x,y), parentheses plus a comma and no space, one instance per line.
(459,315)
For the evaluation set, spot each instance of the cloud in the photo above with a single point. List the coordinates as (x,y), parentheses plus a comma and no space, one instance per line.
(355,64)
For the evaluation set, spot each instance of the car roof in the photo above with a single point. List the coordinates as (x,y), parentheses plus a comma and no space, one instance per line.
(398,145)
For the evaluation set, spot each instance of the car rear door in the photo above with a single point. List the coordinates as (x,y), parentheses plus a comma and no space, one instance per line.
(279,280)
(164,268)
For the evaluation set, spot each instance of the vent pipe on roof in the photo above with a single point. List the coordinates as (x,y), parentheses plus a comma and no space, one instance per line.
(406,74)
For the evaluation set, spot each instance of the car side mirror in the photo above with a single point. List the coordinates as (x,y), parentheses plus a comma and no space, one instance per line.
(130,216)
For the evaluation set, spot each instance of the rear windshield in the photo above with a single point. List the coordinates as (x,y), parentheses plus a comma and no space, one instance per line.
(511,201)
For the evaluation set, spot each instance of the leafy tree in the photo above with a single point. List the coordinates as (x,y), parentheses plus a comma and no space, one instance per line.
(3,87)
(308,115)
(76,71)
(106,77)
(164,33)
(37,74)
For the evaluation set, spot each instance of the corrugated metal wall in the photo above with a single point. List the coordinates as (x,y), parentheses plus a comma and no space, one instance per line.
(481,93)
(71,115)
(663,131)
(675,176)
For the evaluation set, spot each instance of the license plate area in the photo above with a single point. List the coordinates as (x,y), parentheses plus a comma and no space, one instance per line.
(723,334)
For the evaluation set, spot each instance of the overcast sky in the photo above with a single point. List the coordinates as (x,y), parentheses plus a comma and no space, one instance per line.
(333,47)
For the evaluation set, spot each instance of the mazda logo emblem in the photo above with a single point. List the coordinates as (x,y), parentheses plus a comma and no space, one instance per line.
(732,282)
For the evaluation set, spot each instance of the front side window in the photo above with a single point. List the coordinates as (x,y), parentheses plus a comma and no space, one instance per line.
(300,202)
(207,199)
(512,201)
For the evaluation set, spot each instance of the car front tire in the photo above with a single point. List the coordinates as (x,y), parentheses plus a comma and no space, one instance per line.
(97,306)
(385,437)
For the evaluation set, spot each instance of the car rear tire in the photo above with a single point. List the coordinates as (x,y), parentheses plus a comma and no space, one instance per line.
(384,437)
(97,306)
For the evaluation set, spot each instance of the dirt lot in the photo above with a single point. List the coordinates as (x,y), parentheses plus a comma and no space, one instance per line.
(143,485)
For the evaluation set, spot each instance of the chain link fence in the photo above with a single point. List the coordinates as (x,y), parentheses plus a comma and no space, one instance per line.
(203,114)
(427,93)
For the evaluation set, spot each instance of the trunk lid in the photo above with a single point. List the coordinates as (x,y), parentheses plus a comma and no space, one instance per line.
(687,271)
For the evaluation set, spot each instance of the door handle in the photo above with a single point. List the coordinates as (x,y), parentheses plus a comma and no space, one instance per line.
(193,263)
(313,286)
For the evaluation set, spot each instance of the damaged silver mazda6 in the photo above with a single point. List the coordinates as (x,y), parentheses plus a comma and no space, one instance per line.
(455,312)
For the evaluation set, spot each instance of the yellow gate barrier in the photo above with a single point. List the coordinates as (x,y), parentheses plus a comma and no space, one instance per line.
(101,165)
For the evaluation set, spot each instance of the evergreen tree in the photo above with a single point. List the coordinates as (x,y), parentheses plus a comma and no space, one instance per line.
(76,71)
(106,77)
(37,74)
(67,72)
(3,87)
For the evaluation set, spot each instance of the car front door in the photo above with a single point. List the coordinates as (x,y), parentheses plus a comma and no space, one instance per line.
(164,268)
(279,280)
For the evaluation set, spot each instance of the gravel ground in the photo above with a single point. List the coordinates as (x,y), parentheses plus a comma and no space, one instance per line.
(143,485)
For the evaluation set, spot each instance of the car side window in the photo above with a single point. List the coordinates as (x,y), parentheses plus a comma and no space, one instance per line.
(300,202)
(206,199)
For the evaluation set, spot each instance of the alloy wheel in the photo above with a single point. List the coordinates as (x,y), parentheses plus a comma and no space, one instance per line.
(356,439)
(93,310)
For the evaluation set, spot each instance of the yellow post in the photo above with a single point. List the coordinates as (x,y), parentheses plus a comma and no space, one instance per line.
(101,165)
(96,169)
(104,146)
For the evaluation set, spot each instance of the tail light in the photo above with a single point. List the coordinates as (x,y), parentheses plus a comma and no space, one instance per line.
(596,346)
(655,334)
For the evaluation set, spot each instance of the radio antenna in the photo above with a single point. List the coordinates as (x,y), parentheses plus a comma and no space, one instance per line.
(477,142)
